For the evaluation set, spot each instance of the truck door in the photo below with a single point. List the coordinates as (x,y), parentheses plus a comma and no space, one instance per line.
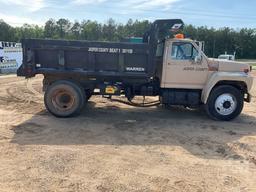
(183,66)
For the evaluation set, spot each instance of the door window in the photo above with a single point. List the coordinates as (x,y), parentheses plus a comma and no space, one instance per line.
(183,51)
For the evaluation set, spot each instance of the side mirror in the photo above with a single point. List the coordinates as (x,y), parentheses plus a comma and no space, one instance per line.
(198,59)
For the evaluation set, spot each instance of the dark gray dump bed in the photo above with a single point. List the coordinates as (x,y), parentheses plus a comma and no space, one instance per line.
(99,60)
(88,58)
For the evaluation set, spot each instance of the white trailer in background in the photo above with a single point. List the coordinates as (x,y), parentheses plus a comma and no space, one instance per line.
(10,57)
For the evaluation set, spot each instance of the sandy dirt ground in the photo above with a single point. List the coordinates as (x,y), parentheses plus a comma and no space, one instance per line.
(114,147)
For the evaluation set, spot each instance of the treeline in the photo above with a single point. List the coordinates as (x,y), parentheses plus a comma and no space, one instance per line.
(217,41)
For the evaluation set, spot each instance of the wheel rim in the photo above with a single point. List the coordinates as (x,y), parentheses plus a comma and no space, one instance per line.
(225,104)
(63,100)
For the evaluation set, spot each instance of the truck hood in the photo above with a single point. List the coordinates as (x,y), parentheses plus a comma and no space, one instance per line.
(229,66)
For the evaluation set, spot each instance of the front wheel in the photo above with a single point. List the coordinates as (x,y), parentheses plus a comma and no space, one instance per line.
(224,103)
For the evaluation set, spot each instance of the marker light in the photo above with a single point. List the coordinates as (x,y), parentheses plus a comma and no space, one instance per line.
(179,36)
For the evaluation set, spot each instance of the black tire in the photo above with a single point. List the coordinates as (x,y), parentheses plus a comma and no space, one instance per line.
(214,111)
(64,98)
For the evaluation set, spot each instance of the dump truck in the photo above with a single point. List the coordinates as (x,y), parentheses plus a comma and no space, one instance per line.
(166,65)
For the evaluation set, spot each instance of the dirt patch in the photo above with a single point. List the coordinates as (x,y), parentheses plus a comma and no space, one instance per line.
(254,73)
(114,147)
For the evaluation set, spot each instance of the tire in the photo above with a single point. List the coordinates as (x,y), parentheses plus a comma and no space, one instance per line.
(225,103)
(64,98)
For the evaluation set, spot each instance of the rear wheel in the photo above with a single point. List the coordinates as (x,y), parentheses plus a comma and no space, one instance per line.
(224,103)
(64,98)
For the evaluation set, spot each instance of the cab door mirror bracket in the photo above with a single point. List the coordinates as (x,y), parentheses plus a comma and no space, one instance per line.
(198,59)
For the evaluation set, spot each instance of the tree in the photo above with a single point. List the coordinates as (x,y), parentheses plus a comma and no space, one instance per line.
(6,32)
(75,30)
(91,30)
(109,30)
(28,31)
(50,29)
(217,41)
(63,27)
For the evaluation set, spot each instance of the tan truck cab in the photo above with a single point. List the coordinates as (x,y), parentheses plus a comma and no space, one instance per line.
(224,85)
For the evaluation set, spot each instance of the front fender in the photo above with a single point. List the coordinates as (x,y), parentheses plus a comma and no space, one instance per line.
(216,77)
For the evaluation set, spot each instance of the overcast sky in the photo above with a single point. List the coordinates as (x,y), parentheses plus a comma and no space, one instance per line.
(216,13)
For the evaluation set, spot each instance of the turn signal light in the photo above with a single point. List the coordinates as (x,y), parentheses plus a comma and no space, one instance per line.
(247,70)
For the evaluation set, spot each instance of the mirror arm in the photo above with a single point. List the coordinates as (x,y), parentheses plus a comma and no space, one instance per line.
(200,50)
